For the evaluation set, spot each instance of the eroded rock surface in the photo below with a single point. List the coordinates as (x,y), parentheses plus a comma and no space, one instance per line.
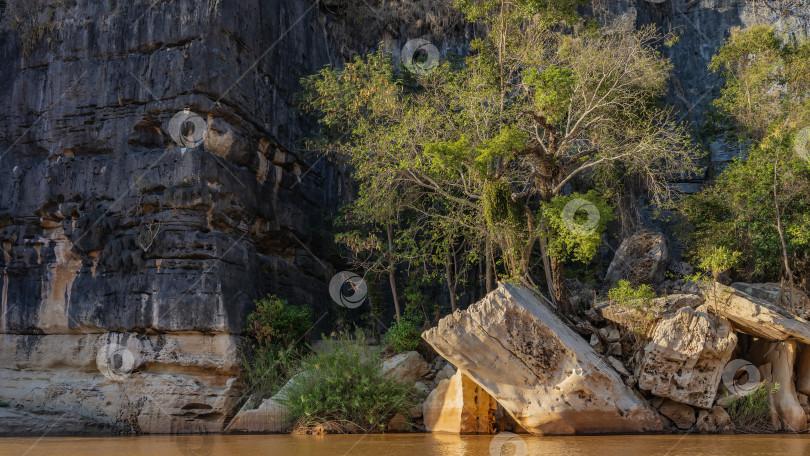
(641,258)
(459,406)
(406,367)
(269,417)
(781,355)
(685,356)
(799,304)
(753,316)
(714,421)
(108,224)
(545,375)
(162,384)
(682,415)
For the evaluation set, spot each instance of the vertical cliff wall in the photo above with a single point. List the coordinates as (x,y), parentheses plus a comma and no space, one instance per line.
(112,233)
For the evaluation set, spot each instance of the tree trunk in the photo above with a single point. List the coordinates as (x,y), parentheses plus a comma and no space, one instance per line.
(489,265)
(560,291)
(788,271)
(450,285)
(391,269)
(547,266)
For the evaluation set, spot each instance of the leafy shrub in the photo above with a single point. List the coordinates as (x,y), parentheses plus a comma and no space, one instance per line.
(640,300)
(405,333)
(751,413)
(267,369)
(276,323)
(275,341)
(623,293)
(719,259)
(344,384)
(577,245)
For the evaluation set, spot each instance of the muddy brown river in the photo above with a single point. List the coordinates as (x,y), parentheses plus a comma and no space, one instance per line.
(413,444)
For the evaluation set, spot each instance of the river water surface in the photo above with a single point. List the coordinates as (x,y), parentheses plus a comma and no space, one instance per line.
(409,444)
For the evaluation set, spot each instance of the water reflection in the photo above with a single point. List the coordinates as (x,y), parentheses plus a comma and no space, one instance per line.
(405,444)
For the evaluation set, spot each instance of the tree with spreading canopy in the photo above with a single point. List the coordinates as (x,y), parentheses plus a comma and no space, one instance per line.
(475,159)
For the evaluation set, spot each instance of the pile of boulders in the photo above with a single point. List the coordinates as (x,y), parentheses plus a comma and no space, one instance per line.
(671,372)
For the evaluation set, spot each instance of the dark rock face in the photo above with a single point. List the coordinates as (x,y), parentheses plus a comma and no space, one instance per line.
(106,222)
(108,226)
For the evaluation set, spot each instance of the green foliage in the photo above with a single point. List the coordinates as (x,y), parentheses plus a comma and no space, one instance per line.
(767,80)
(766,97)
(737,215)
(500,208)
(623,293)
(719,259)
(751,413)
(554,87)
(344,383)
(276,323)
(576,244)
(405,333)
(34,20)
(531,109)
(640,300)
(267,369)
(508,142)
(4,404)
(275,341)
(546,12)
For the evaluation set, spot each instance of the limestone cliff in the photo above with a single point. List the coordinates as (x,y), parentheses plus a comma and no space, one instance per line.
(113,234)
(108,225)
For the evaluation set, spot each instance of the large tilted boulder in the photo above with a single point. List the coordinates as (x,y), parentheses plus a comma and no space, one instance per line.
(771,291)
(642,258)
(753,316)
(545,375)
(685,356)
(459,406)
